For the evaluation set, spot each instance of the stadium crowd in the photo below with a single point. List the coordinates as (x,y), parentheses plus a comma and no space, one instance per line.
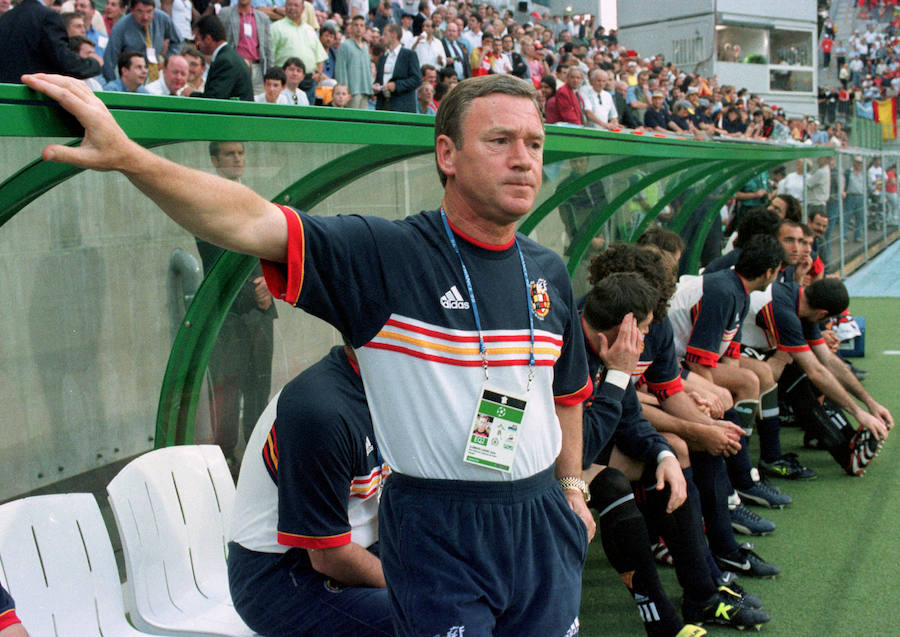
(401,56)
(680,373)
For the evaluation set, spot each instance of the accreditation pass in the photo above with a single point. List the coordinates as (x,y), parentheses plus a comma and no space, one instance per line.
(494,431)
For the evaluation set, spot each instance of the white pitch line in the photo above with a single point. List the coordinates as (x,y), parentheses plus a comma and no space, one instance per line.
(892,352)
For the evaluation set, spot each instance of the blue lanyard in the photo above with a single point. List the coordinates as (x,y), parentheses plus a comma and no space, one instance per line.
(481,346)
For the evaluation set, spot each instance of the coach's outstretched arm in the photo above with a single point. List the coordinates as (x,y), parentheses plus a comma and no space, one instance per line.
(220,211)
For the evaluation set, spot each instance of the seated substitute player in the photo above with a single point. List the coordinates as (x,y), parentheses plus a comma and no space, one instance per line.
(10,624)
(753,222)
(303,559)
(615,314)
(706,315)
(782,327)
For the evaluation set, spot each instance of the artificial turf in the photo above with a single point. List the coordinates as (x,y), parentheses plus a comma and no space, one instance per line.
(838,545)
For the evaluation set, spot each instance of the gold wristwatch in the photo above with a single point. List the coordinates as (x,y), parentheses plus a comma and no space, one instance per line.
(571,483)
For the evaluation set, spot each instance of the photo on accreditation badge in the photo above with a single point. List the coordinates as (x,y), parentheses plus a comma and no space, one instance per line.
(482,429)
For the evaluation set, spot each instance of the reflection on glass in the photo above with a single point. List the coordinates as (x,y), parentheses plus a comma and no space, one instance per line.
(240,366)
(790,48)
(740,44)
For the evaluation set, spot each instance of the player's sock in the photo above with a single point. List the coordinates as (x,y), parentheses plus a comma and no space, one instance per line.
(739,466)
(683,532)
(769,425)
(627,547)
(714,487)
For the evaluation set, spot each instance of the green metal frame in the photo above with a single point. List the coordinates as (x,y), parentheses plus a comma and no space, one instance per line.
(385,138)
(582,241)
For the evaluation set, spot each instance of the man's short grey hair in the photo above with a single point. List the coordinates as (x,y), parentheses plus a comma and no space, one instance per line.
(456,104)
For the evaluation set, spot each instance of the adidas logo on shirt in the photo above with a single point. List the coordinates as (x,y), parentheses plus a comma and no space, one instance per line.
(369,446)
(453,300)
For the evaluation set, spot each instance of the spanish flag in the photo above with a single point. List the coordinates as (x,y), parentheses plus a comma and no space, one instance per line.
(886,115)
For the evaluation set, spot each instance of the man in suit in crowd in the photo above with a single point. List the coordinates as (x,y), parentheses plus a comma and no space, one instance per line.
(248,31)
(35,41)
(397,75)
(457,51)
(228,74)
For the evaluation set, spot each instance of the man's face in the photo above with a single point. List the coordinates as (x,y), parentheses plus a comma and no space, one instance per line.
(389,40)
(295,75)
(429,77)
(327,39)
(657,101)
(426,93)
(204,43)
(779,207)
(143,14)
(135,74)
(452,31)
(791,239)
(293,9)
(86,8)
(273,89)
(428,28)
(574,78)
(357,29)
(598,81)
(176,73)
(805,246)
(230,161)
(75,27)
(507,43)
(474,24)
(819,224)
(195,67)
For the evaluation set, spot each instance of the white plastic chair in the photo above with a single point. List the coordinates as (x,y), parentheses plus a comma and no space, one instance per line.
(172,507)
(57,563)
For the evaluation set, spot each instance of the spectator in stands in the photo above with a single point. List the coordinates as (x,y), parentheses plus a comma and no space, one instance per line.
(173,79)
(352,66)
(428,48)
(680,121)
(248,30)
(656,118)
(425,97)
(146,30)
(457,51)
(397,75)
(74,23)
(792,184)
(340,96)
(328,37)
(229,75)
(85,49)
(292,37)
(818,188)
(295,73)
(35,41)
(95,29)
(547,91)
(196,68)
(111,14)
(132,74)
(303,543)
(569,102)
(273,85)
(638,97)
(599,107)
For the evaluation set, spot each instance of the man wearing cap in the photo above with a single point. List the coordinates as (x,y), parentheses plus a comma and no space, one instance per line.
(656,118)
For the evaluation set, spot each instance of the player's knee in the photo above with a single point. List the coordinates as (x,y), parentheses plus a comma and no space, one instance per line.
(609,486)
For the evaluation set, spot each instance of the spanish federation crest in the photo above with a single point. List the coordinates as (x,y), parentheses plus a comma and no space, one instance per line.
(540,298)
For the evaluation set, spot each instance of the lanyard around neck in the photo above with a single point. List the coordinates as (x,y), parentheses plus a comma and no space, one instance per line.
(481,346)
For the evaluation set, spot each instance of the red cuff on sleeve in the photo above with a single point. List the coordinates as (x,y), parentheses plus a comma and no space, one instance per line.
(310,542)
(818,341)
(8,618)
(701,356)
(285,280)
(793,349)
(578,397)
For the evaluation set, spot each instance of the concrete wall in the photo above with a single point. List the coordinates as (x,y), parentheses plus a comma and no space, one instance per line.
(636,12)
